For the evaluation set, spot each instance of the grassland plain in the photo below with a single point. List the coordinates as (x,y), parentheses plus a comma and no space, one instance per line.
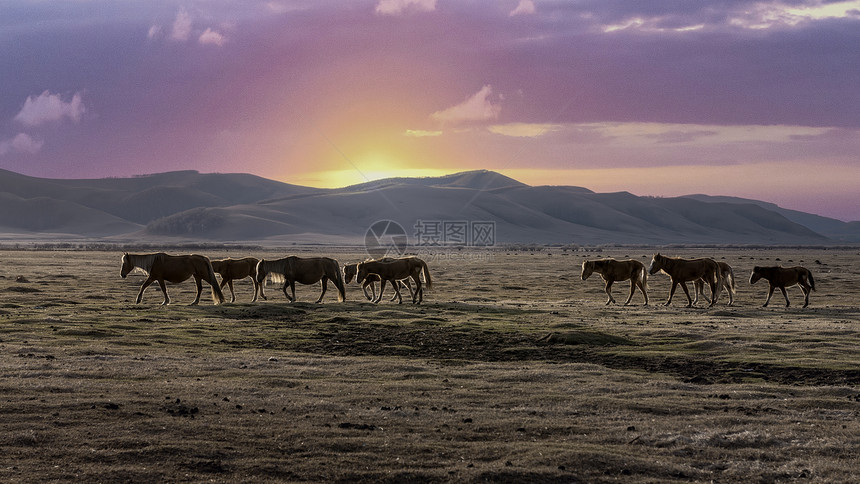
(512,371)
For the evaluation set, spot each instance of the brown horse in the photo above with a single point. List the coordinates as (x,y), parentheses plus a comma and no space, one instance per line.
(234,270)
(174,269)
(304,270)
(785,276)
(612,270)
(683,270)
(350,270)
(727,275)
(394,271)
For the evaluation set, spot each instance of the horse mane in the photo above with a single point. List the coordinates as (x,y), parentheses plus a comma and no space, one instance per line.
(143,262)
(275,269)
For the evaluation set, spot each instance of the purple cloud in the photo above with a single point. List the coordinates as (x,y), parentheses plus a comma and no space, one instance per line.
(21,143)
(48,107)
(477,107)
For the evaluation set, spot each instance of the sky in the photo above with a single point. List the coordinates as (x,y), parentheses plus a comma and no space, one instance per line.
(756,99)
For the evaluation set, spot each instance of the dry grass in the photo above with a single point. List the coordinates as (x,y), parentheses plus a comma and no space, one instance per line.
(513,371)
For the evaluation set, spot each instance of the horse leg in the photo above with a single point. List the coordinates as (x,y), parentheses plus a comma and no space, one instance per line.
(223,284)
(324,283)
(232,294)
(608,290)
(381,290)
(397,292)
(785,295)
(699,284)
(372,290)
(199,284)
(632,290)
(687,292)
(806,290)
(418,295)
(164,290)
(641,285)
(409,286)
(672,292)
(769,295)
(293,291)
(286,285)
(716,286)
(146,283)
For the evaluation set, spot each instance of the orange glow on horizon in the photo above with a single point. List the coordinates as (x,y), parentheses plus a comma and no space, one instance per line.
(344,178)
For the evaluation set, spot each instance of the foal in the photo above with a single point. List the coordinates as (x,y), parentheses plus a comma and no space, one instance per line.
(612,270)
(785,276)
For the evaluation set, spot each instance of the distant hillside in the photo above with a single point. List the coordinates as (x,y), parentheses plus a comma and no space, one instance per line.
(187,205)
(135,201)
(829,227)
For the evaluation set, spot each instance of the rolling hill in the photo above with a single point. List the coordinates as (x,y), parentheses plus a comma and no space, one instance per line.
(191,206)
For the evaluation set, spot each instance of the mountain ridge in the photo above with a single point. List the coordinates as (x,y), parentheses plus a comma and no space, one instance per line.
(239,207)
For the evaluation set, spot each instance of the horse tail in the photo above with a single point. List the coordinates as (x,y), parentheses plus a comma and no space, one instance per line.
(730,276)
(718,274)
(217,295)
(426,275)
(811,280)
(338,281)
(643,276)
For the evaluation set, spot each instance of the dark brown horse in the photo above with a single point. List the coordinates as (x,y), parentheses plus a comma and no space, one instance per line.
(394,271)
(234,270)
(727,275)
(682,271)
(350,271)
(612,270)
(304,270)
(783,277)
(174,269)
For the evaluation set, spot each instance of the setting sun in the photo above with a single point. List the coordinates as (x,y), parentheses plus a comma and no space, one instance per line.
(343,178)
(366,167)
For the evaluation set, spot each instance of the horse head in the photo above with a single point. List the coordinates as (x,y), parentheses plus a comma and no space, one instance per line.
(349,271)
(756,275)
(261,271)
(656,264)
(127,266)
(587,269)
(361,272)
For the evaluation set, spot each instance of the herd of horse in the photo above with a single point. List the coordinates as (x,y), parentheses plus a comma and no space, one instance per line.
(403,272)
(160,267)
(698,271)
